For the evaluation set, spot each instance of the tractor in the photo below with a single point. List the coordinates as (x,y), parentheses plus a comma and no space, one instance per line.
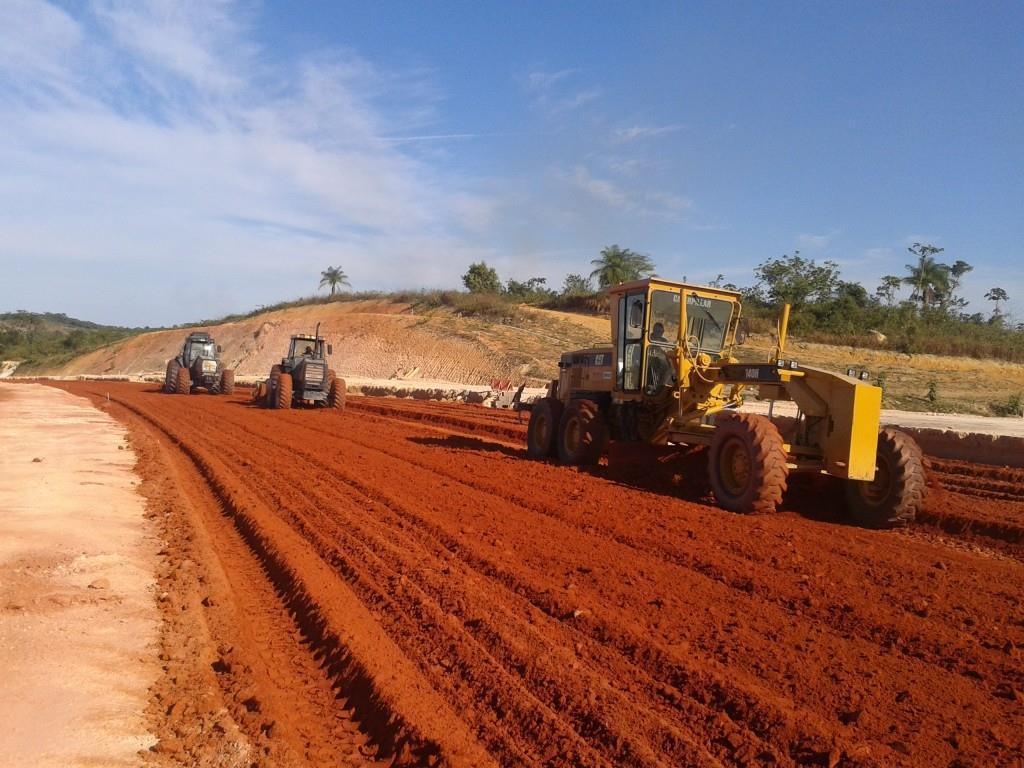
(303,377)
(198,366)
(669,378)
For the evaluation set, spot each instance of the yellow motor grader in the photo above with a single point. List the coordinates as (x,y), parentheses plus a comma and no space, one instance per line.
(670,377)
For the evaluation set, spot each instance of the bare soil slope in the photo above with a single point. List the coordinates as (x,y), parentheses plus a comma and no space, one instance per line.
(472,607)
(372,339)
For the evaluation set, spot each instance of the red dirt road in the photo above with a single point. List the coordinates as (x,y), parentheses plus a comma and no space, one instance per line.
(398,584)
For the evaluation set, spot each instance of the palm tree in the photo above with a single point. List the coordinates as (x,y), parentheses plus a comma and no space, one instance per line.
(334,276)
(929,279)
(619,265)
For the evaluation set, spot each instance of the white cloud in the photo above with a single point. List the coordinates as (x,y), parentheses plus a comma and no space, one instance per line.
(154,153)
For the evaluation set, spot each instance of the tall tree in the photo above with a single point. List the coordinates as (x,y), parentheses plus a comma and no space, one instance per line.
(797,281)
(480,278)
(334,276)
(619,265)
(576,285)
(928,278)
(997,295)
(888,288)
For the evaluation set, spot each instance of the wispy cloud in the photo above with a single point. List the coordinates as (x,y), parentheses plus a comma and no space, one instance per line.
(812,242)
(554,93)
(159,139)
(639,132)
(643,202)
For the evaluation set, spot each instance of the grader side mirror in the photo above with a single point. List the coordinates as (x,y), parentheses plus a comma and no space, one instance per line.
(330,349)
(220,348)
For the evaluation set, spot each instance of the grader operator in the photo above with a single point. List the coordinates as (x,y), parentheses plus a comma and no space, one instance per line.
(669,377)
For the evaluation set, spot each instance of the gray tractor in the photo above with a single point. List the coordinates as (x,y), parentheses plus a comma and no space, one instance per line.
(303,378)
(198,366)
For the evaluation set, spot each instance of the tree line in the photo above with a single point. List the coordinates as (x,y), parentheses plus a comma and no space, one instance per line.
(921,310)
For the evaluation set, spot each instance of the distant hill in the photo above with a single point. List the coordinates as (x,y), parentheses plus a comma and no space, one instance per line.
(44,339)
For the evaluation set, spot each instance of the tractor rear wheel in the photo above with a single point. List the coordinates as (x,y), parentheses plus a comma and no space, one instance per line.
(227,382)
(183,383)
(283,391)
(582,433)
(747,464)
(896,494)
(540,435)
(336,392)
(171,377)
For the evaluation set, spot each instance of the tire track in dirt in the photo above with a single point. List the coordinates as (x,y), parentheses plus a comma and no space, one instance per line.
(290,574)
(584,621)
(738,576)
(300,416)
(912,653)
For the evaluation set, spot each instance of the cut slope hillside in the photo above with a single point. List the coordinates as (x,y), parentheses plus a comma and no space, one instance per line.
(372,339)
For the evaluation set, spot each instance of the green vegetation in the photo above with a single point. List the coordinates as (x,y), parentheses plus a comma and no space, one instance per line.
(47,338)
(827,308)
(620,265)
(480,278)
(334,276)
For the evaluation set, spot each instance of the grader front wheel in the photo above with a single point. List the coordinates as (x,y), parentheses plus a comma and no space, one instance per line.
(747,464)
(896,494)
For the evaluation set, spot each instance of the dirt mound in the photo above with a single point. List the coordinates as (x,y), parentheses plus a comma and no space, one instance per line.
(371,339)
(473,607)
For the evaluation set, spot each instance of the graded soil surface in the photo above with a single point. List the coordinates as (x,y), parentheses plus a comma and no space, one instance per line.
(78,621)
(398,584)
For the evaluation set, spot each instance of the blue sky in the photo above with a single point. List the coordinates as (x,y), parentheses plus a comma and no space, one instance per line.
(162,162)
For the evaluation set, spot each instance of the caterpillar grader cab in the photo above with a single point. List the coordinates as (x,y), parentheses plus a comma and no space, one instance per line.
(670,378)
(303,376)
(198,366)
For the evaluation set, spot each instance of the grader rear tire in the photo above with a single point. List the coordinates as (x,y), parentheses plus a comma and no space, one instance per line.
(283,391)
(183,383)
(336,392)
(747,464)
(227,382)
(582,433)
(896,494)
(543,429)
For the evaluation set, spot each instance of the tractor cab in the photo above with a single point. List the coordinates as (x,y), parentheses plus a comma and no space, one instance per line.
(199,346)
(311,347)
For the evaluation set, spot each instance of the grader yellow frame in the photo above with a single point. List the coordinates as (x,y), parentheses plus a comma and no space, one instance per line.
(670,377)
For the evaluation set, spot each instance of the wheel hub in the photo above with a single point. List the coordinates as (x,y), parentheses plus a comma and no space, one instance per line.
(735,467)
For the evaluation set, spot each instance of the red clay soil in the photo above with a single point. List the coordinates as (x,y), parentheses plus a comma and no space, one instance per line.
(398,583)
